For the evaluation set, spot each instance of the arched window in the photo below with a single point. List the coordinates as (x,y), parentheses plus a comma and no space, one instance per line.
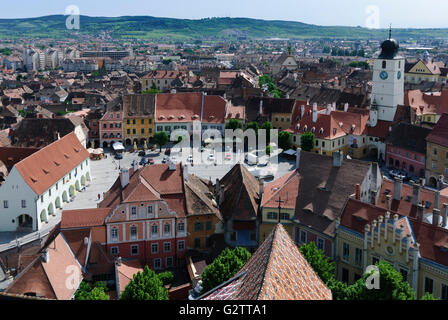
(384,64)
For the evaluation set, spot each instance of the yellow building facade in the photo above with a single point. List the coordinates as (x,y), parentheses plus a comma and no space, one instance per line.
(269,219)
(138,129)
(436,163)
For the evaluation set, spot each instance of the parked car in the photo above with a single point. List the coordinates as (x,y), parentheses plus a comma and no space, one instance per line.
(143,162)
(228,156)
(168,151)
(118,156)
(211,157)
(165,159)
(190,158)
(142,153)
(151,161)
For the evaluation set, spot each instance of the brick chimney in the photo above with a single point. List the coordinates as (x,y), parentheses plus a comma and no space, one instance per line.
(298,155)
(437,199)
(435,217)
(416,194)
(420,212)
(358,191)
(388,201)
(398,189)
(444,214)
(314,112)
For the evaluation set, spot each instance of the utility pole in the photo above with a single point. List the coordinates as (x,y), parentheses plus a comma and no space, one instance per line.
(280,201)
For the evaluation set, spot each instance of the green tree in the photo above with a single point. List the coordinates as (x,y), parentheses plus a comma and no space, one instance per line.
(285,140)
(233,124)
(145,285)
(319,261)
(160,138)
(268,150)
(268,127)
(307,141)
(153,90)
(225,266)
(166,277)
(87,292)
(252,125)
(428,296)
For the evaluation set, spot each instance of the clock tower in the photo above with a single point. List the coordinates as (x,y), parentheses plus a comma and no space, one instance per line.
(388,82)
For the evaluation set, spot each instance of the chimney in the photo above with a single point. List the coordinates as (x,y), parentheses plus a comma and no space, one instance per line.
(337,159)
(118,261)
(135,165)
(333,106)
(422,182)
(397,189)
(444,214)
(261,183)
(421,212)
(328,109)
(302,111)
(171,165)
(124,177)
(185,171)
(416,194)
(221,195)
(314,112)
(346,107)
(260,112)
(307,100)
(358,192)
(298,155)
(435,217)
(388,201)
(46,256)
(437,200)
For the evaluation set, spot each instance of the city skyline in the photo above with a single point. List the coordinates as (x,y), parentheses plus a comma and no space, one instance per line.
(335,13)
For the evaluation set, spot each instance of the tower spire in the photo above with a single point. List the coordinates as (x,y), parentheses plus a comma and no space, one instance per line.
(390,31)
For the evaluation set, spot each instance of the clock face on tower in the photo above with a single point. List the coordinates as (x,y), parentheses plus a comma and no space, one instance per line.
(384,75)
(399,75)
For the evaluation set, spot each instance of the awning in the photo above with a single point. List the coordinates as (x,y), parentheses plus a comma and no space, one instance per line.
(118,146)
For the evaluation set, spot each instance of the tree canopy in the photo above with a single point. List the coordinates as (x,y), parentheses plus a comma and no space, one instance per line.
(225,266)
(145,285)
(87,292)
(307,141)
(285,140)
(161,138)
(233,124)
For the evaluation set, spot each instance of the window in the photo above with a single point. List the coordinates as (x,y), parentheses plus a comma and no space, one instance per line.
(154,229)
(384,64)
(167,247)
(166,229)
(143,131)
(198,226)
(429,285)
(150,211)
(434,164)
(134,250)
(169,262)
(128,121)
(133,212)
(444,292)
(284,216)
(114,234)
(346,251)
(345,275)
(157,263)
(197,242)
(134,131)
(5,204)
(42,198)
(435,151)
(134,235)
(320,244)
(303,236)
(114,251)
(154,248)
(128,131)
(358,256)
(272,215)
(143,121)
(181,245)
(208,225)
(404,274)
(181,227)
(23,203)
(133,121)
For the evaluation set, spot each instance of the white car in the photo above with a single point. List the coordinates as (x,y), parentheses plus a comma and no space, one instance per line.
(190,158)
(211,157)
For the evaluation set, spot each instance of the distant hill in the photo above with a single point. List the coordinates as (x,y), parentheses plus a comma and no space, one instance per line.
(152,28)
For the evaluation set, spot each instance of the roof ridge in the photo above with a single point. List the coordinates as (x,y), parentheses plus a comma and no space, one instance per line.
(268,265)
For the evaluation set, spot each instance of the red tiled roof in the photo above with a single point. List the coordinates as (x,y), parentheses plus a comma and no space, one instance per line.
(381,130)
(439,133)
(126,271)
(276,271)
(286,188)
(214,109)
(47,166)
(182,106)
(84,217)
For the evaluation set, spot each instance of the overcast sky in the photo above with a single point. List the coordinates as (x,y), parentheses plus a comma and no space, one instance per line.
(401,13)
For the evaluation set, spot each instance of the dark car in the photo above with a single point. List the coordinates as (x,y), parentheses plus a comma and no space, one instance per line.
(168,151)
(151,161)
(142,153)
(118,156)
(143,162)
